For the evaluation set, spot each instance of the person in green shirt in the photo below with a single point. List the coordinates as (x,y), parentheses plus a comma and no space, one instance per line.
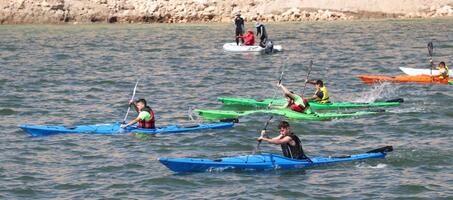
(295,102)
(145,116)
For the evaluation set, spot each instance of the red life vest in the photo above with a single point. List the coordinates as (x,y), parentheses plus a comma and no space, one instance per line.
(249,39)
(147,124)
(298,108)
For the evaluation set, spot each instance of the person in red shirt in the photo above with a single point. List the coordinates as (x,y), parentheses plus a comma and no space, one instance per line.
(249,38)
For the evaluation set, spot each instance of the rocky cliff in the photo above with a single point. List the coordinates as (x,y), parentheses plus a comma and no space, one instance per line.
(182,11)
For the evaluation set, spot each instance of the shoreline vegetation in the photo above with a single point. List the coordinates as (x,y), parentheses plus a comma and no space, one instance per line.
(204,11)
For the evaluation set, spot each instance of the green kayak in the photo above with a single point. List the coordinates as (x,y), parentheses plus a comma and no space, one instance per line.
(228,114)
(314,105)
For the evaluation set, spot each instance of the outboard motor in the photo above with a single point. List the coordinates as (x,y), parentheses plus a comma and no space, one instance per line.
(269,48)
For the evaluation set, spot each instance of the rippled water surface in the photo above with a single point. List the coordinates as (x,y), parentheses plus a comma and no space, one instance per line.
(84,74)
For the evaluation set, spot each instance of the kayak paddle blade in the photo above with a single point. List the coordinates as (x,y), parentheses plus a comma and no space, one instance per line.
(235,120)
(399,100)
(430,49)
(382,150)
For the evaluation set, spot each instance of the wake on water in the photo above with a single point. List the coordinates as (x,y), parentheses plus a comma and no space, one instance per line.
(384,91)
(364,165)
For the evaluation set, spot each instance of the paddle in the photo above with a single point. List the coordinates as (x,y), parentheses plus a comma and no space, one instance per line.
(308,75)
(270,118)
(265,128)
(129,107)
(430,52)
(279,82)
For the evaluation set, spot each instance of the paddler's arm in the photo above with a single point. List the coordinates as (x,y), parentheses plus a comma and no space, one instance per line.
(131,122)
(311,82)
(276,140)
(314,97)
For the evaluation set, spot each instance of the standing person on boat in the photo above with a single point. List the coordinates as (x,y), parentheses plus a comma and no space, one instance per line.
(290,143)
(240,28)
(145,117)
(261,32)
(295,102)
(321,94)
(249,38)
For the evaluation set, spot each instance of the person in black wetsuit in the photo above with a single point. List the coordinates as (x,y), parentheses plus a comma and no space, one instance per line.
(261,32)
(239,22)
(290,143)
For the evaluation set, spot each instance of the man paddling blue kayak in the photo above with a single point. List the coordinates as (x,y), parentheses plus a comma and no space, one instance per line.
(145,118)
(290,143)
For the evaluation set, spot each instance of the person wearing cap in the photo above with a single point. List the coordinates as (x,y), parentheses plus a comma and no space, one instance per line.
(239,22)
(261,32)
(290,143)
(249,38)
(321,94)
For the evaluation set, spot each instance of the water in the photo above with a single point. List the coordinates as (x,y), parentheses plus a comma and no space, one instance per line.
(85,74)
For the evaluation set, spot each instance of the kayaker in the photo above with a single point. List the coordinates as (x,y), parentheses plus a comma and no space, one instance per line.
(443,70)
(261,32)
(239,22)
(145,117)
(321,94)
(249,38)
(295,102)
(290,143)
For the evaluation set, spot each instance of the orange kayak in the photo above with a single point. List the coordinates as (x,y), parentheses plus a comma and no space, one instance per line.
(369,79)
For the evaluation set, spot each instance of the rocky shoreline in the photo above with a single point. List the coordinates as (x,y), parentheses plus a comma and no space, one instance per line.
(189,11)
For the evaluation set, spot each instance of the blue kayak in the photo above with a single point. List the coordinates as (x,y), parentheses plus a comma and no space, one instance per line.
(262,162)
(113,129)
